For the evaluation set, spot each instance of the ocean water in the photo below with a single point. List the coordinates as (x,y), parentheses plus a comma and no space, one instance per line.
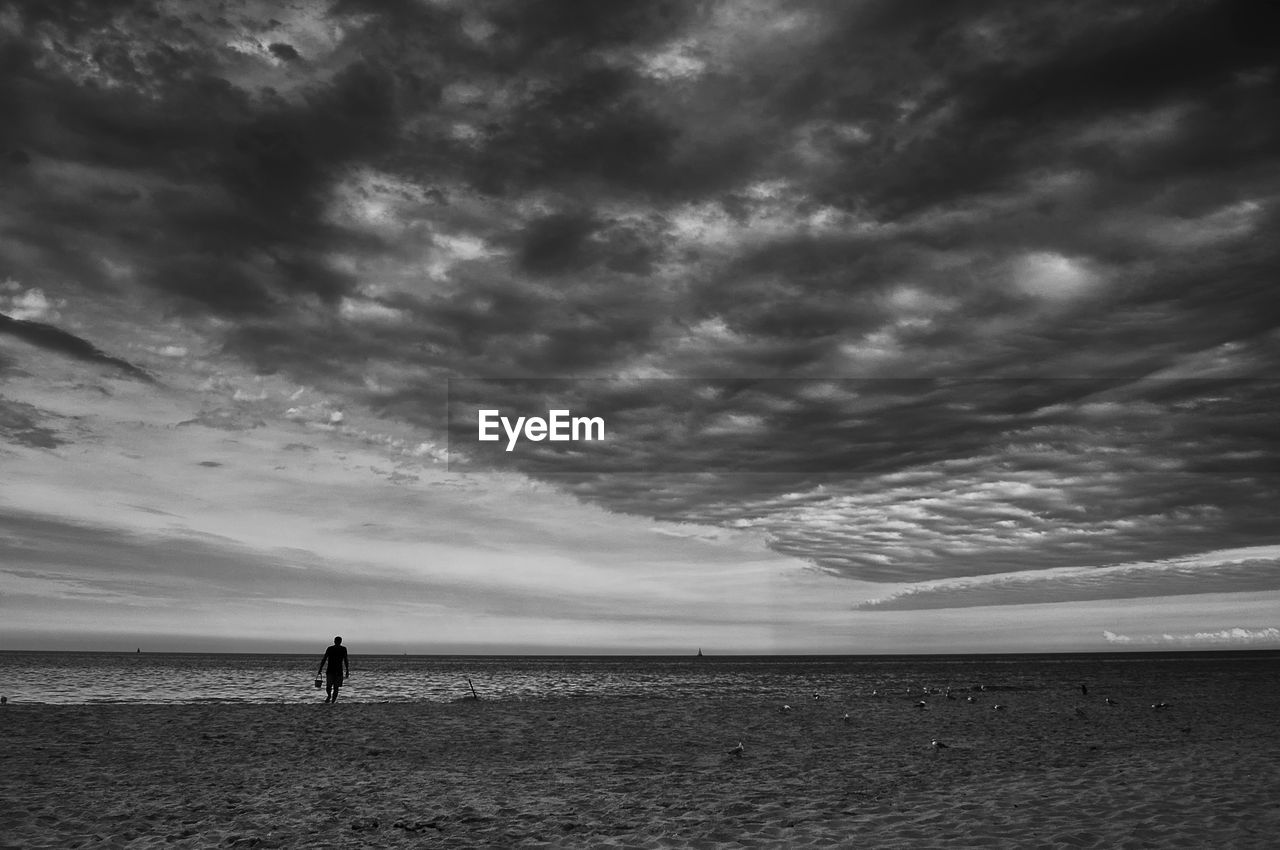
(154,678)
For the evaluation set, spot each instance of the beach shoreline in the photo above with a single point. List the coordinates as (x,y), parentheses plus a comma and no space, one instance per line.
(1054,768)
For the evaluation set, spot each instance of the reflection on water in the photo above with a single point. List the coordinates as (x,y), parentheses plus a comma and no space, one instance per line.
(80,678)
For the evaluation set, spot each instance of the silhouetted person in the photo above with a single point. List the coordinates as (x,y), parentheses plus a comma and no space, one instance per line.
(336,668)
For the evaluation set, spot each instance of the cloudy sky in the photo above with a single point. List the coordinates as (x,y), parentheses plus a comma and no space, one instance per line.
(914,326)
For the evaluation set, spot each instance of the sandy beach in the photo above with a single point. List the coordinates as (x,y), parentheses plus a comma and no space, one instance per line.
(1055,768)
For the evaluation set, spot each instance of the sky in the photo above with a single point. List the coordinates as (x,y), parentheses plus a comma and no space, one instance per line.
(913,327)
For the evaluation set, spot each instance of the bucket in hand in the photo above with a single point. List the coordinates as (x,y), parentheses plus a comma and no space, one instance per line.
(319,682)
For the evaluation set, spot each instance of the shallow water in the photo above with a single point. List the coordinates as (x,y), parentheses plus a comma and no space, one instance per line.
(156,678)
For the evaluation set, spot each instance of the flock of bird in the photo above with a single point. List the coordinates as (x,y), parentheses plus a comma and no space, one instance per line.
(922,705)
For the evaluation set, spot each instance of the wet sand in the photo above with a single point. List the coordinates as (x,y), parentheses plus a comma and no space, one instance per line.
(1054,769)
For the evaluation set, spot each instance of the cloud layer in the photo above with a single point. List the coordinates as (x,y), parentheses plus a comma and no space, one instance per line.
(914,292)
(1236,637)
(1238,571)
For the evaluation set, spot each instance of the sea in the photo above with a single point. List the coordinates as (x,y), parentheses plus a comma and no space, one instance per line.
(80,678)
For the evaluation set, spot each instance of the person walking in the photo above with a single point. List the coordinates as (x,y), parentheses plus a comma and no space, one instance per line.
(336,668)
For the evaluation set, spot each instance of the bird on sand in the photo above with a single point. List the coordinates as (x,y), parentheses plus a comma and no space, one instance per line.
(938,744)
(785,708)
(738,750)
(846,719)
(970,699)
(1109,701)
(922,704)
(998,707)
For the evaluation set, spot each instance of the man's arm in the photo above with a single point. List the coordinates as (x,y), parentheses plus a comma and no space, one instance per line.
(323,659)
(345,666)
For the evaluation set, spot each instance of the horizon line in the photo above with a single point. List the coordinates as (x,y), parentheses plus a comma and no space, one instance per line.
(1183,650)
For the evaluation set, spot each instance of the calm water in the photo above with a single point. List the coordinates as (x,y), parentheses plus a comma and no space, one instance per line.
(79,678)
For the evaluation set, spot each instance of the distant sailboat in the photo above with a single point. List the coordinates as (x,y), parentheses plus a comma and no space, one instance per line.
(699,652)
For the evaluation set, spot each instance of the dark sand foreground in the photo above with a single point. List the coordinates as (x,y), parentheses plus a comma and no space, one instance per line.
(1055,769)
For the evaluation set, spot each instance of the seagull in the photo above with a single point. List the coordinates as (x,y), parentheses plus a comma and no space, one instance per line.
(970,699)
(846,718)
(1160,705)
(817,695)
(950,695)
(922,704)
(938,744)
(998,707)
(875,693)
(785,708)
(1109,701)
(738,750)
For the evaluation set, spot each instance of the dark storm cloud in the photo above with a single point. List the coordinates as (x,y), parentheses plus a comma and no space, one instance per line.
(1000,93)
(575,25)
(1182,51)
(215,192)
(555,244)
(55,339)
(589,127)
(284,51)
(25,425)
(786,200)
